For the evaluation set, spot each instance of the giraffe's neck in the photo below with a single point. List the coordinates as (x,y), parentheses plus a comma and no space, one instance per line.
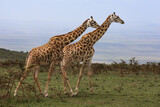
(65,39)
(91,38)
(71,36)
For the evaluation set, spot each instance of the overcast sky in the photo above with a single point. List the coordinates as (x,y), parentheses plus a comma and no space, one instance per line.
(25,24)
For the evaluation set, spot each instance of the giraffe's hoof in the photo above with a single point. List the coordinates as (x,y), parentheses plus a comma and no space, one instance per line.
(72,95)
(45,94)
(66,93)
(91,90)
(75,93)
(15,94)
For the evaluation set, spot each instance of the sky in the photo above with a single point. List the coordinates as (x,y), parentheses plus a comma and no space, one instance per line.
(25,24)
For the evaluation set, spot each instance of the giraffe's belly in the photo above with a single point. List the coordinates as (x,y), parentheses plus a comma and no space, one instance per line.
(79,59)
(44,60)
(48,59)
(44,63)
(81,55)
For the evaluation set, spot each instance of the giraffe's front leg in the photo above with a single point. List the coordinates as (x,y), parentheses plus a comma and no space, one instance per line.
(66,79)
(64,74)
(35,75)
(51,69)
(64,65)
(89,70)
(90,83)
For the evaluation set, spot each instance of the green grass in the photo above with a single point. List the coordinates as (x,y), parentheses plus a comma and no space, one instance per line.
(110,90)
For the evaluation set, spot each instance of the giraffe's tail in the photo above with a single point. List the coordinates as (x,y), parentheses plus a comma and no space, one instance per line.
(27,60)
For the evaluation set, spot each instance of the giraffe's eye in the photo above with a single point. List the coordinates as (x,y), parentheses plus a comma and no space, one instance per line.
(116,17)
(92,23)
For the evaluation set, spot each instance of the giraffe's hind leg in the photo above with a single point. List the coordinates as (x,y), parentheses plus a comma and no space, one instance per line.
(51,69)
(35,75)
(22,78)
(80,76)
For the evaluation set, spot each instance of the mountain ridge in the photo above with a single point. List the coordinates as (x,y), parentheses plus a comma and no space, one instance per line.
(6,54)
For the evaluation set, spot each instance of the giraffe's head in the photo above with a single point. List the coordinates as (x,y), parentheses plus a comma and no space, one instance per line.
(115,18)
(92,23)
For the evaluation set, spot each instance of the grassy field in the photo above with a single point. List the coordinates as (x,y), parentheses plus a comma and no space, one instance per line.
(110,90)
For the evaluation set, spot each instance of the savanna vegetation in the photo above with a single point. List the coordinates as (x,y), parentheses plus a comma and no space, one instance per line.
(11,55)
(114,85)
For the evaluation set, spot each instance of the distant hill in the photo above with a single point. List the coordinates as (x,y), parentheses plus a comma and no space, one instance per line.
(12,55)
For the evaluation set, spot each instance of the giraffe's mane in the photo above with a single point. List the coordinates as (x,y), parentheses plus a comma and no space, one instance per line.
(99,26)
(79,26)
(52,38)
(70,31)
(90,33)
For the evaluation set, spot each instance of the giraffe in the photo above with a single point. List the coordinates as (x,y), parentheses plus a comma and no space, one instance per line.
(51,52)
(83,51)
